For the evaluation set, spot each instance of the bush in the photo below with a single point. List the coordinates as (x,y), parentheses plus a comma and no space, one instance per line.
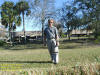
(63,35)
(2,43)
(97,40)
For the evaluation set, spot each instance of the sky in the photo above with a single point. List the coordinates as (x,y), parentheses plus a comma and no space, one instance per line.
(29,24)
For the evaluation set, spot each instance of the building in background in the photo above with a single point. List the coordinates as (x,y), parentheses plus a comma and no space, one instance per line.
(30,36)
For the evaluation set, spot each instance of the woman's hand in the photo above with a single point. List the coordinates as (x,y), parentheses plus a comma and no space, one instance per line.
(57,43)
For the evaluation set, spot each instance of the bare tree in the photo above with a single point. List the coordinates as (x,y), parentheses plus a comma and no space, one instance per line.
(42,10)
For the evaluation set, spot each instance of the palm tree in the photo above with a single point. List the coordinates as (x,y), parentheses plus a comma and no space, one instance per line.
(22,7)
(9,17)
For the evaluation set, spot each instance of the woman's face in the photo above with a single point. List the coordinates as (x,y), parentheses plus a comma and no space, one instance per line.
(51,22)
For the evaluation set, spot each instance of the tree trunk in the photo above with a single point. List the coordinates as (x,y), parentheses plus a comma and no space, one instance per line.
(42,31)
(24,28)
(10,36)
(68,33)
(96,31)
(13,35)
(68,36)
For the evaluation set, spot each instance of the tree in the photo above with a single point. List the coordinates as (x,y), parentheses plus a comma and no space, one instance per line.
(91,9)
(9,17)
(22,7)
(42,10)
(70,18)
(58,25)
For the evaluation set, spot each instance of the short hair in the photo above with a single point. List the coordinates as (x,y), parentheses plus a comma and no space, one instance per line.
(50,20)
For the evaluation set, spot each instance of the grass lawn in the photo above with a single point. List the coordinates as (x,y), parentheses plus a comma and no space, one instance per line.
(30,57)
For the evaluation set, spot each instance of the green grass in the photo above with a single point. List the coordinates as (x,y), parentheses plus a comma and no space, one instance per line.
(39,58)
(35,57)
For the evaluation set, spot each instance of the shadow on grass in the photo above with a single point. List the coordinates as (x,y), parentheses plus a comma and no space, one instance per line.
(25,62)
(22,46)
(64,44)
(81,40)
(70,47)
(76,43)
(25,47)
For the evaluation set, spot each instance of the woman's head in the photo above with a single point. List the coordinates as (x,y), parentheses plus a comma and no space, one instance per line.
(50,22)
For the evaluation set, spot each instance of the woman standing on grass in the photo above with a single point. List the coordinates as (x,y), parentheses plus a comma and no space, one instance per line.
(51,34)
